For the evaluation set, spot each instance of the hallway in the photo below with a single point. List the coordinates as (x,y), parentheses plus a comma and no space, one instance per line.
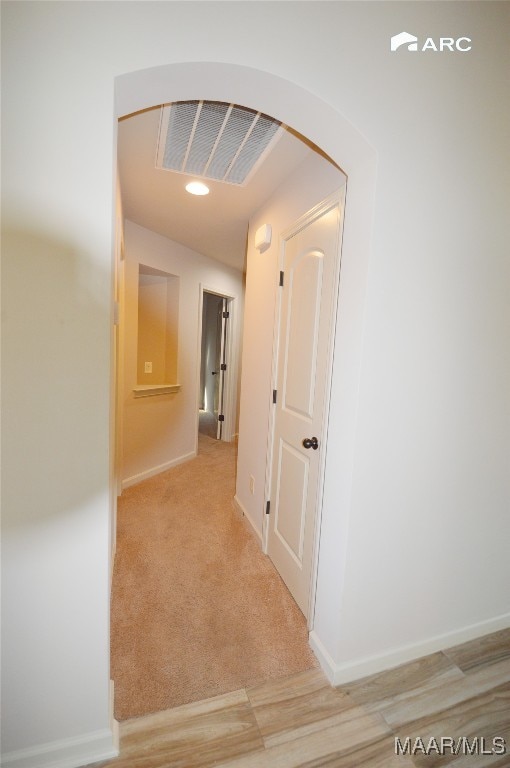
(197,609)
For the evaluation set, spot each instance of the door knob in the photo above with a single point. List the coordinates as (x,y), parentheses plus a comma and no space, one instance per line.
(311,442)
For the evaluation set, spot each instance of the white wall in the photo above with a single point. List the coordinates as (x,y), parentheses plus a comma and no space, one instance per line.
(161,431)
(310,184)
(417,474)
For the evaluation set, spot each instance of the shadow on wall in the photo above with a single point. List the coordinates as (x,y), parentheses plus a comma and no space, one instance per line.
(55,350)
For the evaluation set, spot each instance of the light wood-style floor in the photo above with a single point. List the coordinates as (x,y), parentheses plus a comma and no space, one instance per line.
(303,721)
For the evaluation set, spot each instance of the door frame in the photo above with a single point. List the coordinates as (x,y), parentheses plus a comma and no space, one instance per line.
(337,197)
(231,356)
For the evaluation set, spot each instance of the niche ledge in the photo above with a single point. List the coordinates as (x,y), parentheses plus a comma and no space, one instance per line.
(149,390)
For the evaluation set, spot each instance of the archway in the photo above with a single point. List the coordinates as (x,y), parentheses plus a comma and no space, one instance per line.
(315,119)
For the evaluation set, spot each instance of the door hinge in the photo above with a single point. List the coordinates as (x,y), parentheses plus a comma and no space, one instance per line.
(223,367)
(281,278)
(275,393)
(221,417)
(268,505)
(226,314)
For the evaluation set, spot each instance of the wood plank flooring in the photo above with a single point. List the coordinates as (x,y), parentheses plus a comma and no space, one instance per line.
(302,722)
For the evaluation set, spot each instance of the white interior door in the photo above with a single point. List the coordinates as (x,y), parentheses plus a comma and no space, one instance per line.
(310,262)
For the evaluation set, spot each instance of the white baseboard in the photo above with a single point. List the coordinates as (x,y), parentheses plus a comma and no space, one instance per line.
(156,470)
(327,663)
(113,722)
(70,753)
(243,511)
(338,674)
(66,753)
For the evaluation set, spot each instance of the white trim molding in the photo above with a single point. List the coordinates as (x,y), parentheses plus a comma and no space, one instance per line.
(338,674)
(134,479)
(246,514)
(66,753)
(149,390)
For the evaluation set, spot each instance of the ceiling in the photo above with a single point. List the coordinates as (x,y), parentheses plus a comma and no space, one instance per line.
(215,225)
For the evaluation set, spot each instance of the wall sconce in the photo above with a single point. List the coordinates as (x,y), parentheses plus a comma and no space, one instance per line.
(263,238)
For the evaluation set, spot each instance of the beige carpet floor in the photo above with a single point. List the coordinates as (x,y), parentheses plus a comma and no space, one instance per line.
(197,609)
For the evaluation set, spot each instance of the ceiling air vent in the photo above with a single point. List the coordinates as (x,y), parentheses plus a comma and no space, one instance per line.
(214,140)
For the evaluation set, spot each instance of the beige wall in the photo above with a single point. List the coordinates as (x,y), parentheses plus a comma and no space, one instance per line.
(158,328)
(151,331)
(161,431)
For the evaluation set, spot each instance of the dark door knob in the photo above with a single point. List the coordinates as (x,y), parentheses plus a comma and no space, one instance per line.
(311,442)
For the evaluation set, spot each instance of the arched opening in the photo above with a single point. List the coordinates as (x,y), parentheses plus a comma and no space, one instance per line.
(317,121)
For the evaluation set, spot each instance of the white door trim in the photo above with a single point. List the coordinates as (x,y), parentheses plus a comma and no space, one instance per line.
(336,198)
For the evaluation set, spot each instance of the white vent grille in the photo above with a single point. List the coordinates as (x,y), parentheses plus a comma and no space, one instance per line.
(214,140)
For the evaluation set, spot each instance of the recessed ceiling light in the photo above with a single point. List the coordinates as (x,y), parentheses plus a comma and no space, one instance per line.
(197,188)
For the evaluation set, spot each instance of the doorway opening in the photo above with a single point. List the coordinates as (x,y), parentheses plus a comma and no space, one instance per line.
(213,364)
(181,81)
(170,423)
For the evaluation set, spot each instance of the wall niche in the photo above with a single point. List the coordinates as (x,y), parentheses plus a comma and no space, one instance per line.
(158,332)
